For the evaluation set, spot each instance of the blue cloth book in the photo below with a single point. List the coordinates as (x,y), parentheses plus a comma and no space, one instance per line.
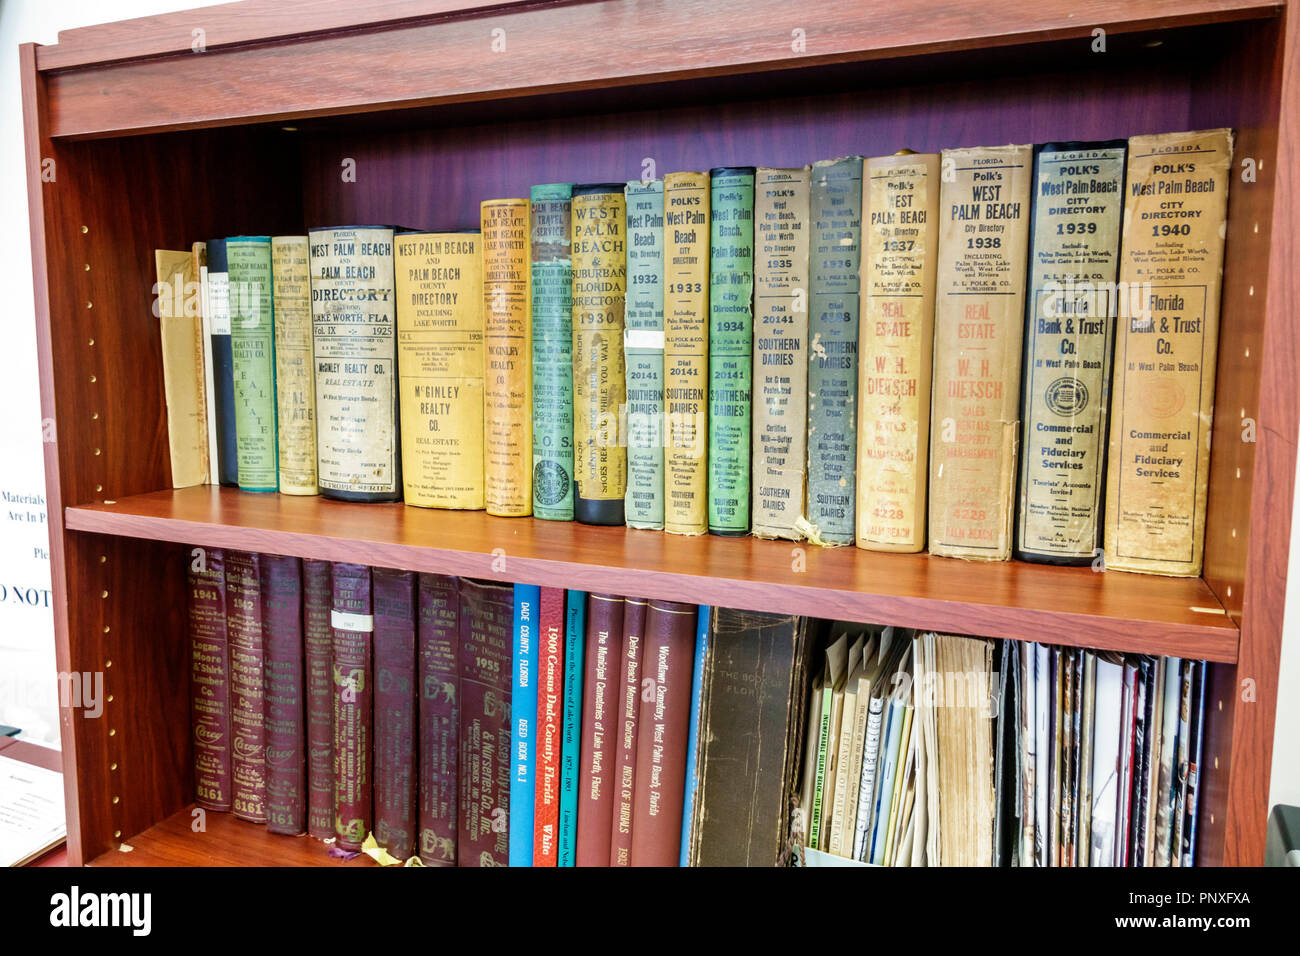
(693,734)
(523,724)
(575,629)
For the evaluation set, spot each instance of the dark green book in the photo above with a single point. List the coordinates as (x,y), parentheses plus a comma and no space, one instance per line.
(252,342)
(552,293)
(643,348)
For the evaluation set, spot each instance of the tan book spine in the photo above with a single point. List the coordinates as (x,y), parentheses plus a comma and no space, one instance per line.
(780,381)
(200,253)
(1171,270)
(180,325)
(686,352)
(295,379)
(895,349)
(508,348)
(978,330)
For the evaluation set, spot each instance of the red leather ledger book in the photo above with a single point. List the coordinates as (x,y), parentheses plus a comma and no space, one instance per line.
(209,679)
(599,729)
(282,716)
(318,653)
(395,711)
(439,664)
(248,736)
(550,700)
(352,621)
(629,710)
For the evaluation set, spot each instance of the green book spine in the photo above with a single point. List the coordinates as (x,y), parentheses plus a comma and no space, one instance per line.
(731,346)
(834,255)
(552,294)
(643,347)
(252,342)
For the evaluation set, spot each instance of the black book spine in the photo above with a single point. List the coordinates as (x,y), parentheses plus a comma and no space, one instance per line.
(223,363)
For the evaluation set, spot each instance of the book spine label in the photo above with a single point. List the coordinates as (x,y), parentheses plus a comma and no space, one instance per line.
(552,303)
(629,709)
(507,337)
(1166,351)
(693,745)
(523,725)
(318,651)
(439,717)
(780,389)
(247,732)
(209,679)
(439,280)
(575,661)
(180,326)
(286,763)
(979,318)
(643,350)
(252,343)
(896,350)
(352,620)
(1069,336)
(599,729)
(731,346)
(686,352)
(353,308)
(550,694)
(395,712)
(200,253)
(835,246)
(223,370)
(295,379)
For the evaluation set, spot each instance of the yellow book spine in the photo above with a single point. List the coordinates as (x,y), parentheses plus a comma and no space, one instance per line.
(180,326)
(295,378)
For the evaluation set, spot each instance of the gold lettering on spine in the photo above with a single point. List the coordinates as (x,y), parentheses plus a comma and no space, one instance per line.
(295,379)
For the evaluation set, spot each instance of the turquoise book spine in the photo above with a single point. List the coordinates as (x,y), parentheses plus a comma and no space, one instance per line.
(693,734)
(552,295)
(575,630)
(523,721)
(643,348)
(252,342)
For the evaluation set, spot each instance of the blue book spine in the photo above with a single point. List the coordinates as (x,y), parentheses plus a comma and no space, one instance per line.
(223,363)
(885,783)
(575,630)
(692,737)
(523,719)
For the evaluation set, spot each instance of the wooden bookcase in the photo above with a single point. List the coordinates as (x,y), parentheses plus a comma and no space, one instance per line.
(236,119)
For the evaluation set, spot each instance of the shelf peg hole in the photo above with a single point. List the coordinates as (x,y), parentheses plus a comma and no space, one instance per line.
(85,229)
(112,731)
(90,305)
(99,487)
(112,766)
(117,800)
(94,416)
(110,698)
(117,834)
(93,379)
(87,266)
(103,594)
(107,628)
(97,452)
(108,664)
(90,342)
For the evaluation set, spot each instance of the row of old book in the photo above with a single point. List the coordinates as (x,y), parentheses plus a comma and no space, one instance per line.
(927,749)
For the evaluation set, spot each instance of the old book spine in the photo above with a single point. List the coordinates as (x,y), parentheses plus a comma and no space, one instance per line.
(661,734)
(396,811)
(523,724)
(199,250)
(780,390)
(177,304)
(550,697)
(896,348)
(439,717)
(318,654)
(247,704)
(628,709)
(353,310)
(643,351)
(486,623)
(575,662)
(979,320)
(693,745)
(352,620)
(834,250)
(686,352)
(507,339)
(1078,197)
(439,281)
(223,368)
(295,380)
(252,343)
(1165,351)
(552,303)
(286,757)
(604,644)
(731,346)
(599,386)
(209,679)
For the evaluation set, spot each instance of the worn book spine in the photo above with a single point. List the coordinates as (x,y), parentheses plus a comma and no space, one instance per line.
(354,314)
(439,721)
(979,320)
(1078,198)
(396,801)
(508,368)
(629,710)
(604,645)
(550,696)
(178,306)
(896,348)
(252,343)
(295,378)
(318,665)
(686,352)
(780,387)
(1196,751)
(834,250)
(523,724)
(552,303)
(223,367)
(247,705)
(199,250)
(352,620)
(284,693)
(661,734)
(693,744)
(486,625)
(575,662)
(643,351)
(210,688)
(1165,351)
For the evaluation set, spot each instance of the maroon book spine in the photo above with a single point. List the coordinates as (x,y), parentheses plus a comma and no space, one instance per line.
(487,613)
(395,711)
(599,729)
(318,640)
(353,624)
(439,717)
(248,736)
(282,683)
(550,697)
(662,735)
(209,679)
(629,709)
